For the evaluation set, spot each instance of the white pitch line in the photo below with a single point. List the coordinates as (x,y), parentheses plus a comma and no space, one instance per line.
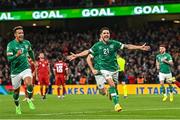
(93,112)
(153,109)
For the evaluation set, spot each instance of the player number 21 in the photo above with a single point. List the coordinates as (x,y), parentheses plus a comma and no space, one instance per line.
(106,51)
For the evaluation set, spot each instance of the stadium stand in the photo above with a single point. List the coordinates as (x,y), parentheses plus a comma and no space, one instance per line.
(48,4)
(138,63)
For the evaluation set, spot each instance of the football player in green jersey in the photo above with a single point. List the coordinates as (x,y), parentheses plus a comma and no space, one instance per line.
(163,63)
(105,51)
(18,51)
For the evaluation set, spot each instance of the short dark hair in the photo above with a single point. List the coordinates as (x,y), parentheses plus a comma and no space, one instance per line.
(163,45)
(17,28)
(103,28)
(60,57)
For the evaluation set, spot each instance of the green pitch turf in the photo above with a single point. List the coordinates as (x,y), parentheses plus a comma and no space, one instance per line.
(92,107)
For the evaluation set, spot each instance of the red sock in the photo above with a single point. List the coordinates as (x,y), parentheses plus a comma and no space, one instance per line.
(177,83)
(64,90)
(41,90)
(58,91)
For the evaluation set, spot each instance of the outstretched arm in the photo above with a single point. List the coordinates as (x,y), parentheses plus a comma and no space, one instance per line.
(137,47)
(81,54)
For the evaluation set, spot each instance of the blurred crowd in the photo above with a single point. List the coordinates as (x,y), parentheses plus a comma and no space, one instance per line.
(50,4)
(139,64)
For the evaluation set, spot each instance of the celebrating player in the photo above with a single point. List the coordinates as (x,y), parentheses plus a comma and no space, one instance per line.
(163,63)
(61,75)
(106,51)
(43,74)
(17,52)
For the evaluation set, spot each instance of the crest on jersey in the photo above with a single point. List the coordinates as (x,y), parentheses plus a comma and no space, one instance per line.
(100,47)
(26,46)
(111,46)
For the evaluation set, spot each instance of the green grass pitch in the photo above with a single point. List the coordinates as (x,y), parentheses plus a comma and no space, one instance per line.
(92,107)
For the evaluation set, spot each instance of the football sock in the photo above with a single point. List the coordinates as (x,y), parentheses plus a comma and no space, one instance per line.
(64,90)
(125,90)
(46,90)
(41,90)
(114,95)
(58,91)
(30,91)
(116,88)
(16,99)
(163,89)
(171,88)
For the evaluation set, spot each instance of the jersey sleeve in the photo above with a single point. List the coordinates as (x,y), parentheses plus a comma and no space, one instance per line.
(94,48)
(157,58)
(118,45)
(10,53)
(169,57)
(93,54)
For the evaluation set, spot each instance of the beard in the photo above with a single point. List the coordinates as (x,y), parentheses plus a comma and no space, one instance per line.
(21,38)
(162,52)
(106,39)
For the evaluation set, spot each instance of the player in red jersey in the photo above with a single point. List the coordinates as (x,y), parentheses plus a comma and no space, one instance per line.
(61,75)
(32,65)
(43,74)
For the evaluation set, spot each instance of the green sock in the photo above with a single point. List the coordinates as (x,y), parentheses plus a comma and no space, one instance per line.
(163,89)
(30,91)
(115,98)
(116,89)
(171,88)
(16,99)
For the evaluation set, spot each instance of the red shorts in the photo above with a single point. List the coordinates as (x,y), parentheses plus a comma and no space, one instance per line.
(44,80)
(60,80)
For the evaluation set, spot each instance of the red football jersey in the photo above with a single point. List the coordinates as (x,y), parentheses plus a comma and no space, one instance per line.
(60,68)
(43,67)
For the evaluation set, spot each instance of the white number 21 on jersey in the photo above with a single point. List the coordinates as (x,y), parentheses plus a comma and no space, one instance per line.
(106,51)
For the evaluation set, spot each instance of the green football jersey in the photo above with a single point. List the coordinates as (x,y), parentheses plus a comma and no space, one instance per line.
(20,63)
(105,54)
(164,67)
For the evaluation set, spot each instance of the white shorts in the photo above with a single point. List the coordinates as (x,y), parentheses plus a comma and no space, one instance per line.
(163,76)
(16,79)
(108,74)
(100,81)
